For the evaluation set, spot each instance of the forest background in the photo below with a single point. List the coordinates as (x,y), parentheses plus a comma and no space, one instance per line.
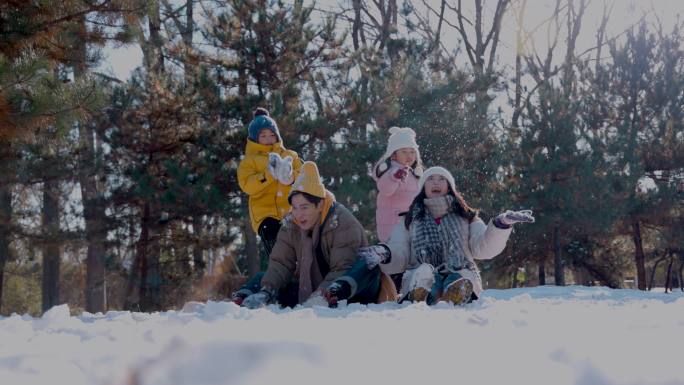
(122,193)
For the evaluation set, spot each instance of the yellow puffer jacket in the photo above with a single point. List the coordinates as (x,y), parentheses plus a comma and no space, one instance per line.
(267,196)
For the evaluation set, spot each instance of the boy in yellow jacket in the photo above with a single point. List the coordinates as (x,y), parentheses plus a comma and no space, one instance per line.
(265,174)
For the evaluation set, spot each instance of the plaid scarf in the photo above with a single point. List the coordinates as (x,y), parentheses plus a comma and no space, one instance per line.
(437,244)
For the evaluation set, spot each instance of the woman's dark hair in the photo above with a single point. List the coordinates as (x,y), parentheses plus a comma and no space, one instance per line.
(310,198)
(459,206)
(260,111)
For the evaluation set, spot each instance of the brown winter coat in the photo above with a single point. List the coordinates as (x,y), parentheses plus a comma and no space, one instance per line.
(341,237)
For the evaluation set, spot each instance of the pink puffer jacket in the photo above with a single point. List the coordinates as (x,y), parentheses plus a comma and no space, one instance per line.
(394,197)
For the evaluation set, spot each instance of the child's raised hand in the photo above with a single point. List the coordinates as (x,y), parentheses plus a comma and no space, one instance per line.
(284,170)
(400,174)
(273,161)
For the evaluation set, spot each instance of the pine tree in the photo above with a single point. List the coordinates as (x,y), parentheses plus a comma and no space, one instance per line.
(646,89)
(37,104)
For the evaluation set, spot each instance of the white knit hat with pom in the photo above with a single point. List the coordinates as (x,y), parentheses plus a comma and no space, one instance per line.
(400,137)
(436,170)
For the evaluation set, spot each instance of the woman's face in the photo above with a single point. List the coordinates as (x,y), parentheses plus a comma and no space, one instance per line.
(436,186)
(267,137)
(405,156)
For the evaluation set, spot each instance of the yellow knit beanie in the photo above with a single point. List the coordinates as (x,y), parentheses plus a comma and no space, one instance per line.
(309,181)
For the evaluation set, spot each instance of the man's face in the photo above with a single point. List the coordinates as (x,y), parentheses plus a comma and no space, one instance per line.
(306,213)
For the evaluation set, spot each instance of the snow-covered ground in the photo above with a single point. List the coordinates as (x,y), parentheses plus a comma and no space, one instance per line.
(545,335)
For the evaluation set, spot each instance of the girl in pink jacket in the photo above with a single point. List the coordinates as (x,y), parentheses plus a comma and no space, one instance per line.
(396,175)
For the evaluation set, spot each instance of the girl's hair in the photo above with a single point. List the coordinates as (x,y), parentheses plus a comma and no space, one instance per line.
(310,198)
(387,162)
(459,206)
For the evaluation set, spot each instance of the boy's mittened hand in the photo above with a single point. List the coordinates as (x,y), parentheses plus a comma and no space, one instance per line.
(273,162)
(284,171)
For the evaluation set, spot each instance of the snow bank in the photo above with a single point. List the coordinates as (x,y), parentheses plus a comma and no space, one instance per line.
(546,335)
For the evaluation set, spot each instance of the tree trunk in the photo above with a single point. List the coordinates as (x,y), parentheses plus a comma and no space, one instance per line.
(5,230)
(91,196)
(519,48)
(187,34)
(95,229)
(639,258)
(148,246)
(150,277)
(559,271)
(681,269)
(133,303)
(198,249)
(144,276)
(50,284)
(653,272)
(542,273)
(155,56)
(357,27)
(668,276)
(95,290)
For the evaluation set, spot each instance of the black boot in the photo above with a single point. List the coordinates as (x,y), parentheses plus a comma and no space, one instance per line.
(337,291)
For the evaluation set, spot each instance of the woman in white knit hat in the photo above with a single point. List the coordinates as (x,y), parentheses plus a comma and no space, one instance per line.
(396,175)
(436,245)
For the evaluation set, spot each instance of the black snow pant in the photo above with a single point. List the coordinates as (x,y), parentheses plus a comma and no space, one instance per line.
(268,232)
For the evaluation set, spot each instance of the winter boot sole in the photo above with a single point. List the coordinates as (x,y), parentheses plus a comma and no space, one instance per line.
(458,292)
(419,294)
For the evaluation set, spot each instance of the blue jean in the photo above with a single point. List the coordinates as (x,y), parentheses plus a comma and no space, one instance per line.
(442,281)
(365,283)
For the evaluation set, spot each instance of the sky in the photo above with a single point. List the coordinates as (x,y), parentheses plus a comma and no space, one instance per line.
(120,62)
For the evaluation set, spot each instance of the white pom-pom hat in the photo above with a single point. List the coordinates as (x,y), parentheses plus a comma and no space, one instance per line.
(400,137)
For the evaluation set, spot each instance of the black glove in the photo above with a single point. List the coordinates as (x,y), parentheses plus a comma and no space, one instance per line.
(239,296)
(264,297)
(337,291)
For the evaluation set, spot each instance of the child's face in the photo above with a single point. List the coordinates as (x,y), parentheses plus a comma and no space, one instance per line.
(406,156)
(436,186)
(266,137)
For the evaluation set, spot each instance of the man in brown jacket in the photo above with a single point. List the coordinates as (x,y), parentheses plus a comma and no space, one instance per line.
(317,243)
